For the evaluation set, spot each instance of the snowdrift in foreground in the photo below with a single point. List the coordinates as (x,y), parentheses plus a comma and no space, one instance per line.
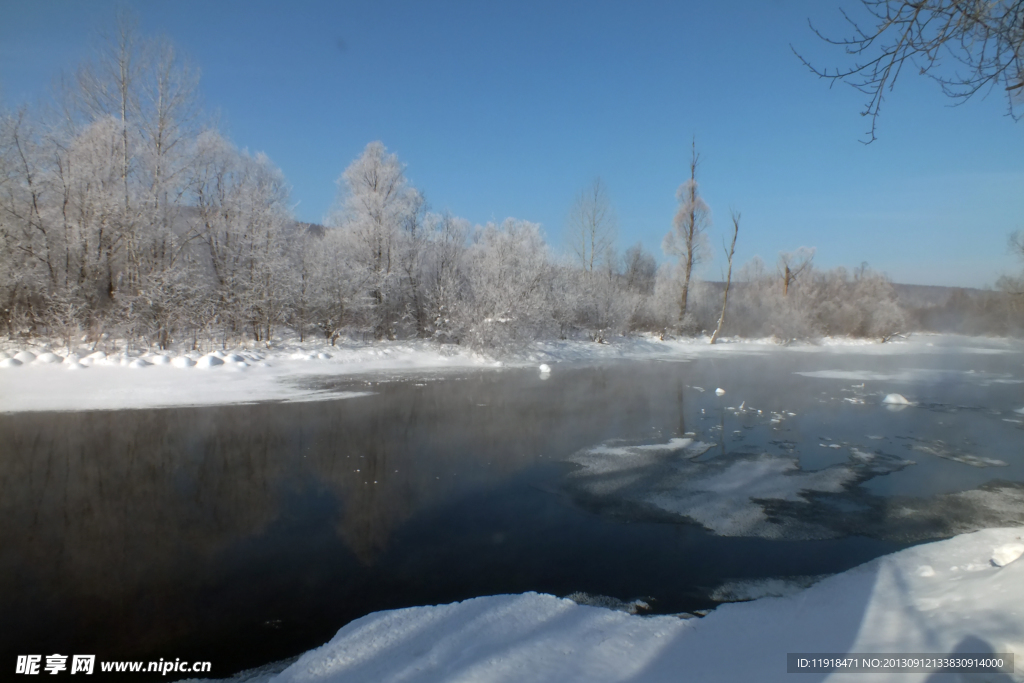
(945,597)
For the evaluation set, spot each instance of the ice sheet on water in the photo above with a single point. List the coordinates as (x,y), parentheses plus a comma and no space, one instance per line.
(940,449)
(726,494)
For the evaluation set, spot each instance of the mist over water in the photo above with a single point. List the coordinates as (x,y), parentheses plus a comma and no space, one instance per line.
(244,534)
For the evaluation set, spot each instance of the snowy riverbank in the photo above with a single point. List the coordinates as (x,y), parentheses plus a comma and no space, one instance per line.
(34,377)
(962,595)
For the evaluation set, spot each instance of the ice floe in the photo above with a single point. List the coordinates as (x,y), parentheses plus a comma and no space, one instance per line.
(1006,553)
(725,494)
(739,590)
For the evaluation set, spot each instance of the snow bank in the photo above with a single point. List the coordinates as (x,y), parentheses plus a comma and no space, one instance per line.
(239,376)
(269,369)
(943,597)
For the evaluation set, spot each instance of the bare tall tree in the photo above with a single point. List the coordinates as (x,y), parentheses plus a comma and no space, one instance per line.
(728,278)
(792,264)
(591,228)
(687,237)
(986,37)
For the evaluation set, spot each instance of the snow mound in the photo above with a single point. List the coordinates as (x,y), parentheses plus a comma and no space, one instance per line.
(882,606)
(1006,553)
(719,391)
(183,362)
(233,358)
(48,358)
(76,365)
(4,355)
(10,363)
(25,356)
(209,361)
(96,355)
(896,400)
(139,363)
(161,360)
(323,356)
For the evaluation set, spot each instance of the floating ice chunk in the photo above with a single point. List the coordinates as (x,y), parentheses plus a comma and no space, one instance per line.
(183,362)
(25,356)
(1007,553)
(1021,411)
(631,607)
(896,400)
(48,358)
(925,570)
(10,363)
(209,361)
(719,391)
(544,368)
(741,590)
(939,449)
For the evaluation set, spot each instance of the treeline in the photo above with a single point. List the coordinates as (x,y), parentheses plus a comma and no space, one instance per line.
(123,212)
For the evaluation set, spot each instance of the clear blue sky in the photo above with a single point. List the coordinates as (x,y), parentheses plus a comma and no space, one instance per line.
(509,109)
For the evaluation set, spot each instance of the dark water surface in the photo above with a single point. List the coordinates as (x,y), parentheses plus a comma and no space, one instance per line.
(246,534)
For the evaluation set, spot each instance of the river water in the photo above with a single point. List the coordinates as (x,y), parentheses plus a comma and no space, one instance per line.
(249,533)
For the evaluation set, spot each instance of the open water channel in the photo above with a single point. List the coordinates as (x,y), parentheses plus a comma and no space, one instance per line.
(249,533)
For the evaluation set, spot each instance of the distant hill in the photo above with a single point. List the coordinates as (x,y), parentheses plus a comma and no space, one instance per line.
(926,296)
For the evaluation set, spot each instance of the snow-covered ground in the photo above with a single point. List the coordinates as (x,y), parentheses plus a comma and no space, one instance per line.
(34,377)
(962,595)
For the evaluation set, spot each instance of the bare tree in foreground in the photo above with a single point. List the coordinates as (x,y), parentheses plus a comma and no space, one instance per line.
(728,278)
(985,37)
(686,239)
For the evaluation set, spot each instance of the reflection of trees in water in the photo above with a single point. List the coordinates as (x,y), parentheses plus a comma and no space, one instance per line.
(128,511)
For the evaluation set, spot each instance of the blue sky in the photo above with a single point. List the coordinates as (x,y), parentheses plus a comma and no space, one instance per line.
(509,109)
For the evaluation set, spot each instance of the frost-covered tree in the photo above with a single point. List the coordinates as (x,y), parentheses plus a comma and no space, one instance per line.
(376,204)
(591,226)
(687,238)
(241,219)
(510,283)
(338,295)
(729,253)
(446,280)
